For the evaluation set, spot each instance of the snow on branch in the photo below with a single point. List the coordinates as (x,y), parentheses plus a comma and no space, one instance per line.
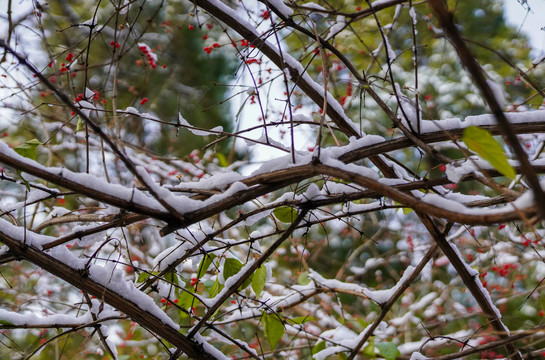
(291,211)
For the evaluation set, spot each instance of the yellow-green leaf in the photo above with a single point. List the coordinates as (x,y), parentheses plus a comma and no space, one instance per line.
(285,214)
(320,345)
(215,288)
(28,149)
(481,141)
(172,278)
(231,267)
(388,350)
(143,276)
(303,278)
(301,319)
(369,350)
(222,160)
(259,280)
(205,264)
(186,300)
(405,210)
(273,328)
(79,124)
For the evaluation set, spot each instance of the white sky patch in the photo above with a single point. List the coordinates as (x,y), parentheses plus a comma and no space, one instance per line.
(529,22)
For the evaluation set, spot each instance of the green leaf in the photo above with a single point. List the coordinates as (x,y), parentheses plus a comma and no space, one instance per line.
(183,315)
(303,278)
(273,328)
(320,345)
(222,160)
(301,319)
(342,356)
(28,149)
(388,350)
(215,288)
(205,264)
(27,184)
(186,300)
(407,211)
(369,350)
(172,278)
(79,124)
(5,322)
(259,280)
(285,214)
(143,276)
(481,141)
(231,267)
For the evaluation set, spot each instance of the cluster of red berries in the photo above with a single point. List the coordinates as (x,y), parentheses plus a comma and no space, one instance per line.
(64,66)
(489,354)
(526,242)
(253,61)
(504,269)
(80,97)
(342,99)
(243,42)
(166,301)
(209,49)
(152,58)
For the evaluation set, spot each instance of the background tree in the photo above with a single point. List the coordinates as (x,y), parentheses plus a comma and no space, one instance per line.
(355,241)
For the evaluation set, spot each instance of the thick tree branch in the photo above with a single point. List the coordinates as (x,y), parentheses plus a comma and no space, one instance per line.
(57,268)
